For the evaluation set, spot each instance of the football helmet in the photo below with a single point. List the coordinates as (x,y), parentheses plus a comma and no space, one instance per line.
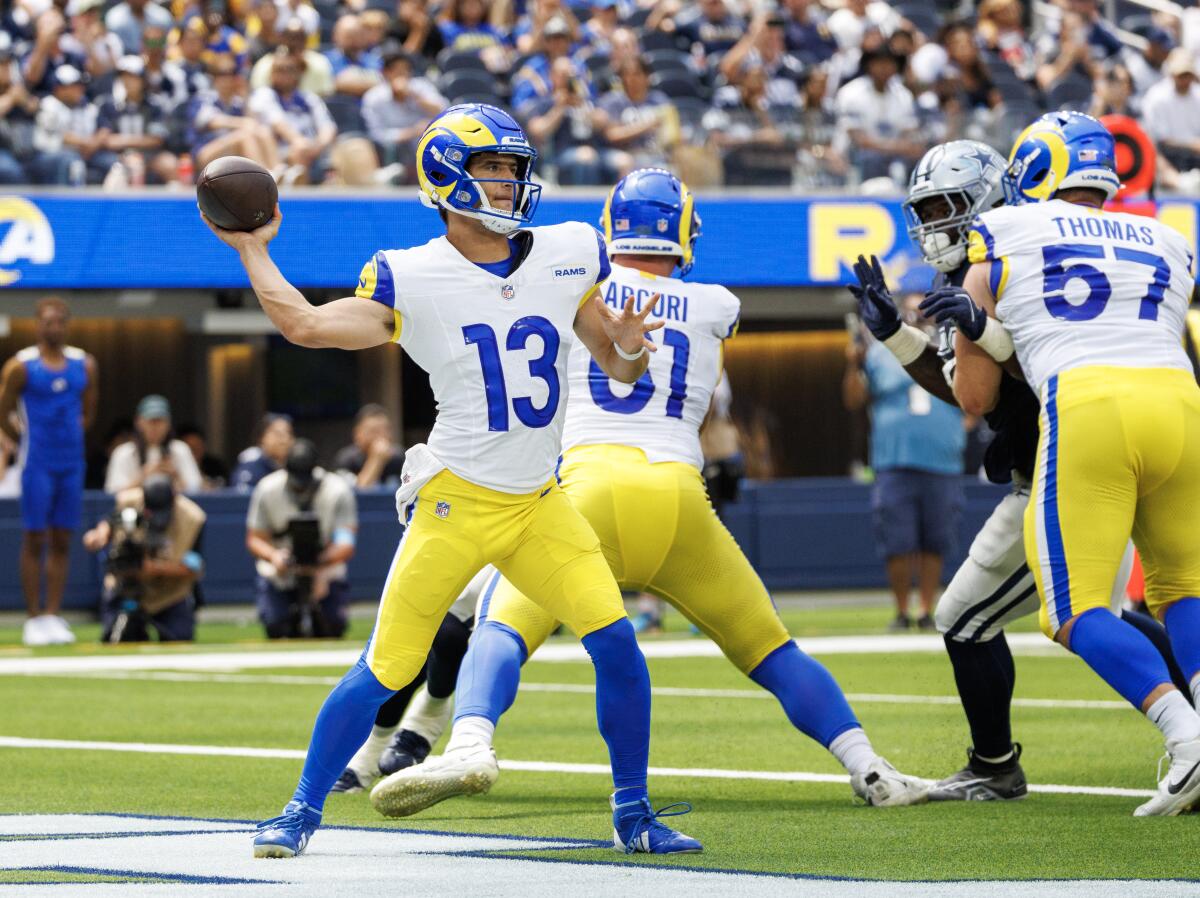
(446,148)
(966,174)
(1058,151)
(651,212)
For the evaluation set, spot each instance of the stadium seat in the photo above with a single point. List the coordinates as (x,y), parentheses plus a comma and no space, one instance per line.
(667,59)
(459,60)
(662,40)
(1072,91)
(637,18)
(346,112)
(922,14)
(679,84)
(461,82)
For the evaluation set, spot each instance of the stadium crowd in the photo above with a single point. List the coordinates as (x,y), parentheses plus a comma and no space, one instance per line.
(798,93)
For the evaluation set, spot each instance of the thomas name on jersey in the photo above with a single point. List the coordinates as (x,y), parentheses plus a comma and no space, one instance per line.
(1095,226)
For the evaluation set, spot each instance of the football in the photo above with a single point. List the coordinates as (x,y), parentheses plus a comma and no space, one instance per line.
(236,193)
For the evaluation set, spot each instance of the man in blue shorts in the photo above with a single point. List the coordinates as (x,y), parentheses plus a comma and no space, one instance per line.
(51,387)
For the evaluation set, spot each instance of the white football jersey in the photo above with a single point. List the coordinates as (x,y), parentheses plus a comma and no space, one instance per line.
(495,348)
(1076,286)
(660,414)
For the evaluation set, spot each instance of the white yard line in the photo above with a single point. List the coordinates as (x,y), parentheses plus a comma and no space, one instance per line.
(527,766)
(564,652)
(865,698)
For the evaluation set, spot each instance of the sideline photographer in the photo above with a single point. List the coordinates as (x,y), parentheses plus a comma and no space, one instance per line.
(152,564)
(301,528)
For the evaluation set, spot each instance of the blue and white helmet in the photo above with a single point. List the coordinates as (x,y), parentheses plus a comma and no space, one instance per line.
(446,148)
(968,176)
(1059,151)
(652,213)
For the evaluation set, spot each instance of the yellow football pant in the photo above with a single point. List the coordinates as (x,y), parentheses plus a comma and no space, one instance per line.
(659,533)
(1119,452)
(538,540)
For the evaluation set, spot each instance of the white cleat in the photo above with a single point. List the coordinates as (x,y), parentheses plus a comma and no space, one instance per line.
(883,786)
(37,631)
(467,771)
(1179,790)
(59,630)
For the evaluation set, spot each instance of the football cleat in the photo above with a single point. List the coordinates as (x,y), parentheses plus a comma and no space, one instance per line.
(467,771)
(37,631)
(59,630)
(883,786)
(349,782)
(976,783)
(287,834)
(405,750)
(1179,790)
(636,829)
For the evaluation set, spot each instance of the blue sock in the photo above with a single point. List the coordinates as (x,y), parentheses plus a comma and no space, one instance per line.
(342,727)
(1123,657)
(1157,633)
(490,672)
(811,697)
(622,705)
(1183,626)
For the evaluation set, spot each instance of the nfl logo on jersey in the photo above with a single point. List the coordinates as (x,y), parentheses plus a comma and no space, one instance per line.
(508,291)
(442,509)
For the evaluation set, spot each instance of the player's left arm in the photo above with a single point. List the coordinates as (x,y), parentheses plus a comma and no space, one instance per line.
(91,393)
(617,342)
(976,374)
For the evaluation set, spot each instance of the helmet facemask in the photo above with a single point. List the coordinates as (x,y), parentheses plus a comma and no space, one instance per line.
(938,224)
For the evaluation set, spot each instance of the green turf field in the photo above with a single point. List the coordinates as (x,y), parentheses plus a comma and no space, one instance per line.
(745,824)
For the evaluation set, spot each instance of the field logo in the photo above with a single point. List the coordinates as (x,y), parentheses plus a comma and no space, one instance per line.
(25,236)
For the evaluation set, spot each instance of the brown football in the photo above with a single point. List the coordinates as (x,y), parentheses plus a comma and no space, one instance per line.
(236,193)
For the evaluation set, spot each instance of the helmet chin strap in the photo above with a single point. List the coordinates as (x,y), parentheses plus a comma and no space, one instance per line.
(942,253)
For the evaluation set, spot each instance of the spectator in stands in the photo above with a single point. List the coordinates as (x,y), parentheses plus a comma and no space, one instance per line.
(967,68)
(1067,59)
(310,19)
(224,34)
(221,124)
(805,32)
(850,24)
(166,81)
(1171,111)
(1100,36)
(213,470)
(623,46)
(153,450)
(162,592)
(464,27)
(821,163)
(711,25)
(415,30)
(745,128)
(1146,65)
(534,81)
(568,130)
(88,39)
(530,31)
(17,108)
(69,143)
(640,121)
(119,432)
(1114,93)
(764,46)
(598,30)
(262,29)
(374,458)
(917,446)
(187,50)
(877,118)
(274,439)
(1001,30)
(129,19)
(299,119)
(375,24)
(295,596)
(317,74)
(47,53)
(136,130)
(397,111)
(355,64)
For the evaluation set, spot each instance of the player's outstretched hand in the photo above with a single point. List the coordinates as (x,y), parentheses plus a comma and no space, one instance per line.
(628,329)
(954,304)
(239,239)
(875,304)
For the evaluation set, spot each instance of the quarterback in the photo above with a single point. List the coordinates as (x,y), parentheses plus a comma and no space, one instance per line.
(1095,303)
(631,466)
(487,310)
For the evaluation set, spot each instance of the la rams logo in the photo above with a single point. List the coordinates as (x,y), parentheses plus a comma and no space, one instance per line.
(442,509)
(59,384)
(25,236)
(507,292)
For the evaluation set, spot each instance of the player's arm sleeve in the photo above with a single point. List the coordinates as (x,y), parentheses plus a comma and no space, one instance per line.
(375,282)
(731,320)
(603,270)
(983,247)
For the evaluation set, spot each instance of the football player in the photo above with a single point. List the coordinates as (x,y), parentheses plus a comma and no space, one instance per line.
(1095,303)
(631,465)
(951,185)
(487,310)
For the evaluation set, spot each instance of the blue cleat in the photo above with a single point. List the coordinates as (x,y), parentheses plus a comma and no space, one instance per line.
(636,829)
(287,834)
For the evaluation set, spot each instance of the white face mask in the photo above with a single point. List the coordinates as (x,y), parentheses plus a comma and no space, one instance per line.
(942,253)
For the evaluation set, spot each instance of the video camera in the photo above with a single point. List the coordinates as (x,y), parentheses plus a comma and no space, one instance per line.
(135,536)
(304,533)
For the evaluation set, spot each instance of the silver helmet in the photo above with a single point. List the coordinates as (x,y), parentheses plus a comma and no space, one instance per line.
(967,175)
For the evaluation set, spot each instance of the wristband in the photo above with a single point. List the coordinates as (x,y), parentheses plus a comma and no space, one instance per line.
(626,356)
(996,341)
(906,344)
